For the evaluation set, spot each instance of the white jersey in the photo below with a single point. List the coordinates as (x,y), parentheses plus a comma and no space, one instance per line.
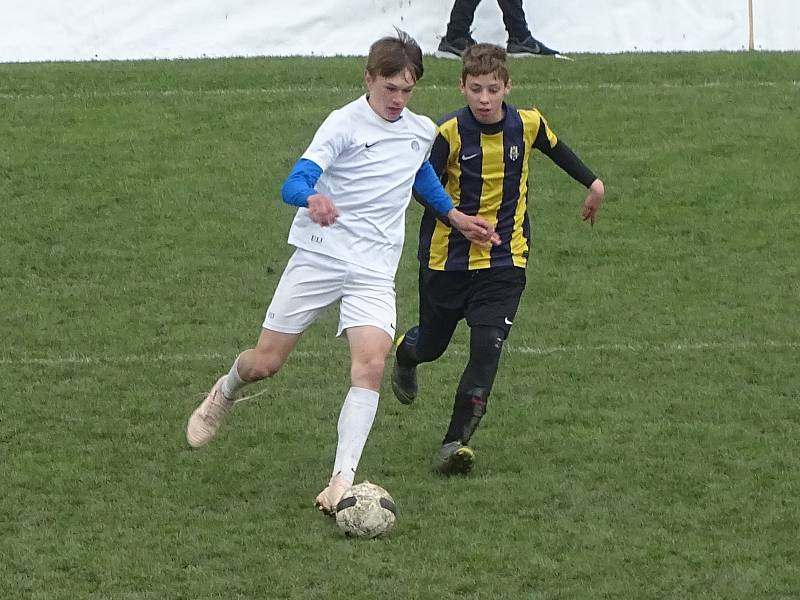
(368,169)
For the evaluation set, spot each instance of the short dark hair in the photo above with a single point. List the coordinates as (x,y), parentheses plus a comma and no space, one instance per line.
(392,55)
(484,59)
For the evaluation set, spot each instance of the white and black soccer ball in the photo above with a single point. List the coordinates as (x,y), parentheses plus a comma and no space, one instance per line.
(366,510)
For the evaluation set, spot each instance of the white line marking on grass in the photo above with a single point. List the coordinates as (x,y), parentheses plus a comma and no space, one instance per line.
(674,347)
(89,95)
(634,348)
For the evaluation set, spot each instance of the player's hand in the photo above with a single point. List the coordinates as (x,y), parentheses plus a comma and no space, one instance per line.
(477,230)
(322,210)
(594,199)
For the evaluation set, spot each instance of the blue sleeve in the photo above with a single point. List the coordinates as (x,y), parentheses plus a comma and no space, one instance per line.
(428,189)
(299,185)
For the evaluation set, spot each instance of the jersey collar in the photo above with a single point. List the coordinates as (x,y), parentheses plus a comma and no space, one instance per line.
(491,127)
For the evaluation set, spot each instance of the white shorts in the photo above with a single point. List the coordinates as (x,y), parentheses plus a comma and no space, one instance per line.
(311,282)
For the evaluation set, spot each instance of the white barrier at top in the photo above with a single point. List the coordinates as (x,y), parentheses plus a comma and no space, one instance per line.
(39,30)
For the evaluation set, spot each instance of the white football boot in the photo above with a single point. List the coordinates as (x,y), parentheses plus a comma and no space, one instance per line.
(207,418)
(329,497)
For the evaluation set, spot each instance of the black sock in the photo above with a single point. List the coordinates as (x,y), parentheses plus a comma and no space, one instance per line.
(468,409)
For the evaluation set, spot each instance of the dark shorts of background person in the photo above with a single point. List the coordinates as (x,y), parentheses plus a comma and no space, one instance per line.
(484,297)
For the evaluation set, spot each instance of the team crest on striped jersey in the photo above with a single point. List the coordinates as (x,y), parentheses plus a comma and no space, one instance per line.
(513,152)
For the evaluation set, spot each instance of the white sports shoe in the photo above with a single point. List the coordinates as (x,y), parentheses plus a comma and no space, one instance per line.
(329,497)
(207,418)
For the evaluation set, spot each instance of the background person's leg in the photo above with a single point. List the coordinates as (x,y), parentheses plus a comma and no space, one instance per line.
(461,17)
(457,38)
(514,19)
(521,42)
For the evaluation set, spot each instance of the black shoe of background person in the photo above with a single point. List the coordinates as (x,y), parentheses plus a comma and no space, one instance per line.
(453,48)
(530,46)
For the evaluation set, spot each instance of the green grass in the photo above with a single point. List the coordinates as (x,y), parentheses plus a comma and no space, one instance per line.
(642,438)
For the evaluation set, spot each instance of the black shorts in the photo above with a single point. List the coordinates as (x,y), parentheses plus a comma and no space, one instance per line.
(483,297)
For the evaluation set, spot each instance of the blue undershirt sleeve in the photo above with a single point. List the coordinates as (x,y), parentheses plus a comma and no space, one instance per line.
(299,185)
(428,189)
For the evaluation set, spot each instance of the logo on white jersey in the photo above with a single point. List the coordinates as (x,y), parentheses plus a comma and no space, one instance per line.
(415,145)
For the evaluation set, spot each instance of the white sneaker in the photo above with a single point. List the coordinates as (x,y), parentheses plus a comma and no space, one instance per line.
(329,497)
(207,418)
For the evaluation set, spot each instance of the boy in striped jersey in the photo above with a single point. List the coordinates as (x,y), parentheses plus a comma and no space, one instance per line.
(481,154)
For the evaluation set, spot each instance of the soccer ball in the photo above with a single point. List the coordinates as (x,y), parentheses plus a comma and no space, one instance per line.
(366,510)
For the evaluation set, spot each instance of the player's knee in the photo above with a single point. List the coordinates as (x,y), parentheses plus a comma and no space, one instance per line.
(368,373)
(487,341)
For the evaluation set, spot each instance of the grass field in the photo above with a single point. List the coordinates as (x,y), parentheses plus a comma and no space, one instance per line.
(642,438)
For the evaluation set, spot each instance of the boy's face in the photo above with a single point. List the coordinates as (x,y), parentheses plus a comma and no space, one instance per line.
(388,96)
(485,95)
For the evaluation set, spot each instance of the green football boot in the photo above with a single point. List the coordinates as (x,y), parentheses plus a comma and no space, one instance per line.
(453,458)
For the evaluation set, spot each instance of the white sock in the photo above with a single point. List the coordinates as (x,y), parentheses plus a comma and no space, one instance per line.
(355,422)
(232,382)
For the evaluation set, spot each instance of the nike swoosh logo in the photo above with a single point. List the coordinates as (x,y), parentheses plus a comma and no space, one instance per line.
(465,157)
(370,145)
(507,322)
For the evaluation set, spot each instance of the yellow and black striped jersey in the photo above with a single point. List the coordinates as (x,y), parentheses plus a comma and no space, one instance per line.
(485,170)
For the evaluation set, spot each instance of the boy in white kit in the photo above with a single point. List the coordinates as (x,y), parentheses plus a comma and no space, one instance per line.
(352,186)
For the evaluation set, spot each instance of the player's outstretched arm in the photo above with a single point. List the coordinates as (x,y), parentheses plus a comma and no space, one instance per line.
(568,161)
(428,190)
(597,192)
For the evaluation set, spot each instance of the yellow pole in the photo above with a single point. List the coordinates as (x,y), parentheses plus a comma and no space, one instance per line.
(750,45)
